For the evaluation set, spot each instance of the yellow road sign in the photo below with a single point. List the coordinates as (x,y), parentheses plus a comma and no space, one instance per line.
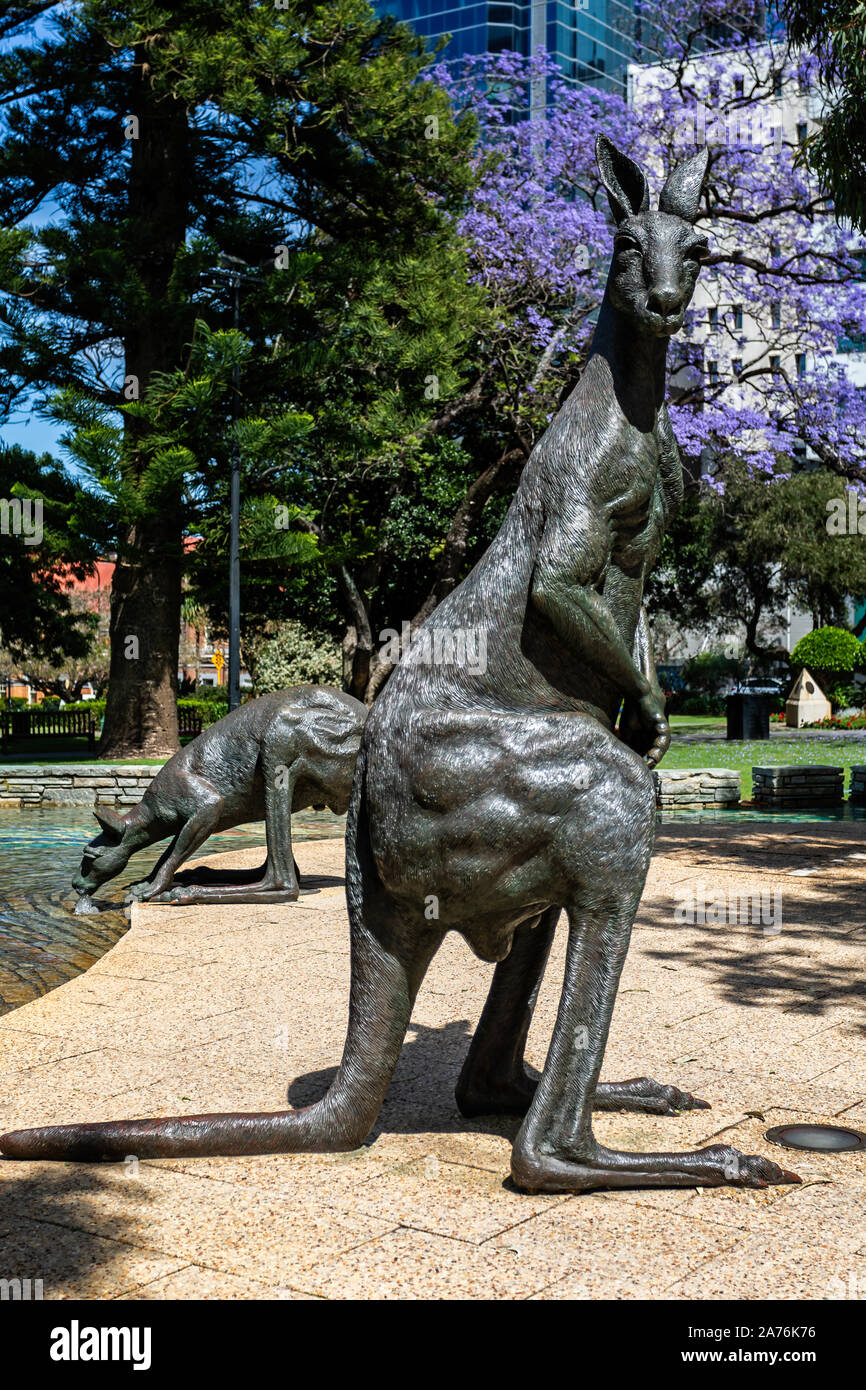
(218,660)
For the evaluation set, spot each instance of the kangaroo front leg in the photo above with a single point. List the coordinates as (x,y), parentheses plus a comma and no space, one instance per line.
(556,1150)
(277,882)
(190,838)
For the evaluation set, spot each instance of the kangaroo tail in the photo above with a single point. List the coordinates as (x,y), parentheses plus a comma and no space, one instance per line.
(383,987)
(196,1136)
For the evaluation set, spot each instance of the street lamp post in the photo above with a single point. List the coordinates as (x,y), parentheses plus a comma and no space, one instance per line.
(231,269)
(234,681)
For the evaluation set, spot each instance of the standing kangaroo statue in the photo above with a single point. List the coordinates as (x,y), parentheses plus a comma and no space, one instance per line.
(487,801)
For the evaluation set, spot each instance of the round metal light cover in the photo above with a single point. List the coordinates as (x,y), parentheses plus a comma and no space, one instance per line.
(818,1138)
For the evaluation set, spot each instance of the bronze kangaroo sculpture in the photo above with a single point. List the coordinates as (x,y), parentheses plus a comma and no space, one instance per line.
(272,756)
(486,801)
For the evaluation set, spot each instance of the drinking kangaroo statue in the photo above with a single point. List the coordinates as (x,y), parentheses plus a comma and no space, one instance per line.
(486,801)
(273,756)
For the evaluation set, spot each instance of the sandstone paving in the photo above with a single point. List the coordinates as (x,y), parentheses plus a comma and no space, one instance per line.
(208,1008)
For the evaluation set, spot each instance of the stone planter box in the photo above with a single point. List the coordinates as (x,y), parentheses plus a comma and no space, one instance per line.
(64,784)
(704,786)
(857,795)
(803,785)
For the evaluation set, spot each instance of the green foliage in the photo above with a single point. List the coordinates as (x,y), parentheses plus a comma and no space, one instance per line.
(208,708)
(703,704)
(818,569)
(96,708)
(835,30)
(734,559)
(37,617)
(829,649)
(299,127)
(291,654)
(711,672)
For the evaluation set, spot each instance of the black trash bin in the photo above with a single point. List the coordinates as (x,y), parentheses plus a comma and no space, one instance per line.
(748,710)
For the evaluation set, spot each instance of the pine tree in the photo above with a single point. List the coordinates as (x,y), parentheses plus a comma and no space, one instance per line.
(160,137)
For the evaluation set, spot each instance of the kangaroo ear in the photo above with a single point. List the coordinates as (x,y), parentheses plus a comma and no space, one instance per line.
(681,195)
(626,184)
(110,822)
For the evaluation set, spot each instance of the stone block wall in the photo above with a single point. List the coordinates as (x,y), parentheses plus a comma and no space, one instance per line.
(65,784)
(705,786)
(857,795)
(798,785)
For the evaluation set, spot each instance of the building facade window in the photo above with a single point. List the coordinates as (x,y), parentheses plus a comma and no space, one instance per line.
(592,41)
(738,317)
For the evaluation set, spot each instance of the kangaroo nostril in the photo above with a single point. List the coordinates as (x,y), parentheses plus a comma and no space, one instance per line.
(664,300)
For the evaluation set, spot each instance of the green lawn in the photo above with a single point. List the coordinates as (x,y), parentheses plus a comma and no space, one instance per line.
(770,753)
(40,753)
(691,723)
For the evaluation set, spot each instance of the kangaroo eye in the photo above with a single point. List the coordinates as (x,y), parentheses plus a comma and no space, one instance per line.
(626,243)
(699,252)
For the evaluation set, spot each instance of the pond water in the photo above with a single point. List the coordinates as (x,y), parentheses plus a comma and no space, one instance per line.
(735,815)
(42,942)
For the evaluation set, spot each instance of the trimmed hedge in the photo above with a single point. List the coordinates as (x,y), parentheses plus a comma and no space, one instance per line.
(831,649)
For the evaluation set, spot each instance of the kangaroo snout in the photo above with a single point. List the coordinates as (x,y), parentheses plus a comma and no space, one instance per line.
(666,301)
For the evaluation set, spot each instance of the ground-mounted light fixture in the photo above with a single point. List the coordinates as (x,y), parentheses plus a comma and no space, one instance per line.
(818,1138)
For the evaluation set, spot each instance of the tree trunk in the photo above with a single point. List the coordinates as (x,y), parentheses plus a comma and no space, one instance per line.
(141,708)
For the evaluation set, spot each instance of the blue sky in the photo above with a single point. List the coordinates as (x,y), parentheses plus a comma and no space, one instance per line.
(24,426)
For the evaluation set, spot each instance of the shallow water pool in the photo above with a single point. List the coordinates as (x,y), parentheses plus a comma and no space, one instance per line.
(42,942)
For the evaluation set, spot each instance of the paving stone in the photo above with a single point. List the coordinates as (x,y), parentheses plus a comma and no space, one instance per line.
(200,1009)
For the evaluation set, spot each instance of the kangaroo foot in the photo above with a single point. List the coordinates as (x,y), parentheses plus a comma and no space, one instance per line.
(184,895)
(512,1095)
(495,1095)
(646,1096)
(717,1166)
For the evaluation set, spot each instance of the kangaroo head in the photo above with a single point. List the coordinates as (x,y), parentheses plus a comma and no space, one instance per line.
(105,856)
(657,255)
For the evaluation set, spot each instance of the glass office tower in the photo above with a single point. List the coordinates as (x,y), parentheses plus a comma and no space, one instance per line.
(592,40)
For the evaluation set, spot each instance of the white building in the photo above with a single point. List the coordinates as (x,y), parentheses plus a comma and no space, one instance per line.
(754,97)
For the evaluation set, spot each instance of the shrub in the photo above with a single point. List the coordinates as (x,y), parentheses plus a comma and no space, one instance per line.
(828,649)
(710,672)
(703,704)
(832,655)
(93,707)
(216,693)
(293,655)
(209,710)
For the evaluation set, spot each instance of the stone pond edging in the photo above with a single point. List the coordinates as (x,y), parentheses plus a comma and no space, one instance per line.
(692,786)
(74,784)
(89,784)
